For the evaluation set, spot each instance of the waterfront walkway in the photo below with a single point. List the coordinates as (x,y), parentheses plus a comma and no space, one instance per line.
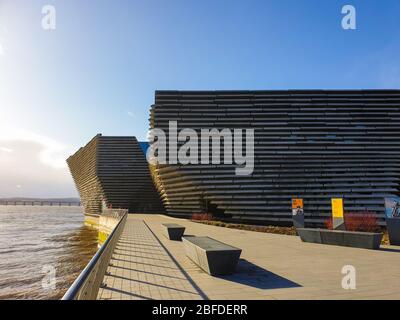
(142,269)
(146,265)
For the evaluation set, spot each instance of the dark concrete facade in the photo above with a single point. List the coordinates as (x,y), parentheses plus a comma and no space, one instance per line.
(113,172)
(309,144)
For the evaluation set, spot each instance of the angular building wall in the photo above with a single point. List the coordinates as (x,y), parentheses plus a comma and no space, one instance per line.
(310,144)
(83,167)
(113,171)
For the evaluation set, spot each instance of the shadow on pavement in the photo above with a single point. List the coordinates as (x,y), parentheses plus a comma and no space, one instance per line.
(252,275)
(390,249)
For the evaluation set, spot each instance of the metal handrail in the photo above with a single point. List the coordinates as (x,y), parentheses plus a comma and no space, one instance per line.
(113,213)
(87,285)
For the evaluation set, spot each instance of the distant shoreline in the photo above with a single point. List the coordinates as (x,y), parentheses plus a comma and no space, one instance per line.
(51,202)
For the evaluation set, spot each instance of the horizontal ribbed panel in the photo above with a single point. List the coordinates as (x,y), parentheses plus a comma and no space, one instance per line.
(114,170)
(309,144)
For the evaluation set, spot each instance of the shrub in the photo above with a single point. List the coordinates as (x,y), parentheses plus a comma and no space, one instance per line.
(357,221)
(363,221)
(202,216)
(329,224)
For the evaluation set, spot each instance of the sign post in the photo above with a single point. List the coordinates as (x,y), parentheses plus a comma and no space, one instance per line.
(392,211)
(337,214)
(298,213)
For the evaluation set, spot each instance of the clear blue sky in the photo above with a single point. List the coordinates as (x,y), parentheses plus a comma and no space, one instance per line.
(98,70)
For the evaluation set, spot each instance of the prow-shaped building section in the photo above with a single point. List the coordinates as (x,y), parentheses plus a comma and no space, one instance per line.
(112,172)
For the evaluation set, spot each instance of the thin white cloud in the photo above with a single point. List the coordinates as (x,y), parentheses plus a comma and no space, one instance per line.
(381,66)
(36,167)
(5,149)
(390,76)
(52,153)
(130,114)
(2,50)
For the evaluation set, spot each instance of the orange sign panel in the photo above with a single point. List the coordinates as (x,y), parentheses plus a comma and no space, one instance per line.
(297,203)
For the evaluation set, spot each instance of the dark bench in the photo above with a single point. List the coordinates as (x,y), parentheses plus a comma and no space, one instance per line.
(173,231)
(213,256)
(366,240)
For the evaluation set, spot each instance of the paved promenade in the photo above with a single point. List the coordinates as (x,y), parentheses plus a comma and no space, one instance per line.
(142,269)
(146,265)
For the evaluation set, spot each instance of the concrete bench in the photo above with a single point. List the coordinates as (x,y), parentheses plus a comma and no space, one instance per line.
(393,228)
(213,256)
(173,231)
(366,240)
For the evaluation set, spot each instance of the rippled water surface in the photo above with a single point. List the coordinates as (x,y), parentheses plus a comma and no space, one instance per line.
(33,238)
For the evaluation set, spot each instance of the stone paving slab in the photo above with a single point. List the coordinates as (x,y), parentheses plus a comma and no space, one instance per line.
(142,269)
(271,267)
(276,266)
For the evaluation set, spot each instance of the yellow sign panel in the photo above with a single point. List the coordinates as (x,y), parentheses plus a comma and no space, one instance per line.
(297,203)
(337,208)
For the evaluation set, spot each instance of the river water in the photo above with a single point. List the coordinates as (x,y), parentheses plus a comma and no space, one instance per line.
(42,250)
